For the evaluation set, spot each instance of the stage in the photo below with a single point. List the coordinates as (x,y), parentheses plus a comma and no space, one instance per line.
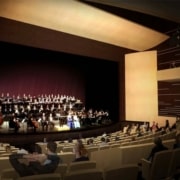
(25,129)
(27,136)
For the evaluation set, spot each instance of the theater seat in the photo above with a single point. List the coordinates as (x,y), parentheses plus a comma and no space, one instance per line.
(51,176)
(126,172)
(159,168)
(9,173)
(92,174)
(81,165)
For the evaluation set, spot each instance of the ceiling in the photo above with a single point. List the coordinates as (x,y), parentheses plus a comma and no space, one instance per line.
(117,22)
(165,9)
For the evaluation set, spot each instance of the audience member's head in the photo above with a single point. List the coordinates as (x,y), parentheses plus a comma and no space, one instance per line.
(51,146)
(90,141)
(35,148)
(157,141)
(8,149)
(70,140)
(103,139)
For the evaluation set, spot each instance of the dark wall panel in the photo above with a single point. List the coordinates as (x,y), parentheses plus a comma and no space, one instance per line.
(169,98)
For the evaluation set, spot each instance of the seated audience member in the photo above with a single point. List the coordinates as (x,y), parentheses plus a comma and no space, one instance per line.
(103,142)
(90,142)
(139,134)
(167,126)
(36,162)
(117,138)
(80,151)
(157,148)
(8,149)
(157,127)
(154,127)
(177,142)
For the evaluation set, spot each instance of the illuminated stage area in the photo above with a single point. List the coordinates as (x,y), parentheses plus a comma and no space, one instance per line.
(24,129)
(68,89)
(30,119)
(25,136)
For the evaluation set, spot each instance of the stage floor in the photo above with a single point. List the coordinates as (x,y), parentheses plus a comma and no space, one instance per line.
(28,136)
(24,129)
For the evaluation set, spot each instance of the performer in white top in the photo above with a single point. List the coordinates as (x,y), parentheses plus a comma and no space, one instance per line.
(76,120)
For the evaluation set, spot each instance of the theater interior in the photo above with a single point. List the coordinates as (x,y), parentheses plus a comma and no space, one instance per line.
(89,49)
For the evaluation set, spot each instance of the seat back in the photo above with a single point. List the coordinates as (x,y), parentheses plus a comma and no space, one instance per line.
(114,145)
(4,163)
(62,170)
(175,162)
(51,176)
(9,173)
(92,149)
(160,165)
(127,172)
(67,157)
(104,147)
(81,165)
(68,149)
(90,174)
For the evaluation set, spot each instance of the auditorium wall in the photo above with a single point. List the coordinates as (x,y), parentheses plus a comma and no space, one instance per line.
(141,86)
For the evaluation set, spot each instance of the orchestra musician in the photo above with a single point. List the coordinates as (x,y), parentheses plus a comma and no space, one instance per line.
(46,109)
(1,117)
(35,123)
(50,121)
(32,122)
(14,123)
(44,122)
(70,121)
(76,120)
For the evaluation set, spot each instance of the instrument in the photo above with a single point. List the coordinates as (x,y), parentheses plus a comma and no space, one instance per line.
(17,124)
(35,123)
(1,119)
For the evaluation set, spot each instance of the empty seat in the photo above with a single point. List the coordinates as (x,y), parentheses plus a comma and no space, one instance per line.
(126,172)
(62,170)
(92,174)
(174,169)
(68,149)
(81,165)
(51,176)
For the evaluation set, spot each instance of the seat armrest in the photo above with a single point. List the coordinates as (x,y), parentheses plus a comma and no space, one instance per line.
(146,165)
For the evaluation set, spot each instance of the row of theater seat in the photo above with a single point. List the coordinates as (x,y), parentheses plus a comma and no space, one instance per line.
(164,166)
(85,170)
(112,158)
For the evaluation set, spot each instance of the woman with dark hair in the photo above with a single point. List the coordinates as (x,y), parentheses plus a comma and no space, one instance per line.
(167,126)
(80,151)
